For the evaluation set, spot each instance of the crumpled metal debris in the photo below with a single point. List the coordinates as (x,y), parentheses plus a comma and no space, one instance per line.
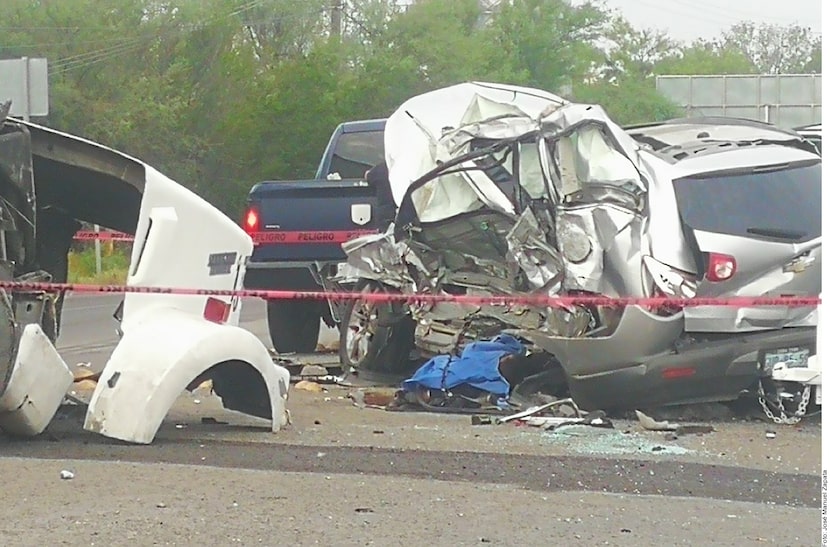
(533,416)
(570,220)
(650,424)
(677,430)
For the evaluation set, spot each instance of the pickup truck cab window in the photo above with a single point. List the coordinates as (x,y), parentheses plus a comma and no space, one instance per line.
(355,153)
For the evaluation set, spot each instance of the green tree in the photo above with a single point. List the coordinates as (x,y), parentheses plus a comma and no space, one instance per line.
(220,94)
(630,101)
(774,49)
(548,43)
(706,57)
(634,53)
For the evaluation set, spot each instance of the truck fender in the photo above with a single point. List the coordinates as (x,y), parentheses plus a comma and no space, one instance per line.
(159,357)
(36,386)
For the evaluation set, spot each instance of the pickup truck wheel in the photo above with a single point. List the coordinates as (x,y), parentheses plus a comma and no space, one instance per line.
(376,337)
(294,325)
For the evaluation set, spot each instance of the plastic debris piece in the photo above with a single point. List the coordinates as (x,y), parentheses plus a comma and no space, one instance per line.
(538,409)
(306,385)
(651,424)
(67,475)
(313,371)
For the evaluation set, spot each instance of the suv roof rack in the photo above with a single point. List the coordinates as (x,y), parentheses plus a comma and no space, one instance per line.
(682,138)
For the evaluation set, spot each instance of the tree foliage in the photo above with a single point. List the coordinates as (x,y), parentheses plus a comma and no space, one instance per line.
(706,57)
(773,49)
(220,94)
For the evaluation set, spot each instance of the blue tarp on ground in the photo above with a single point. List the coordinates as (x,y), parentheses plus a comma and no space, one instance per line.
(478,366)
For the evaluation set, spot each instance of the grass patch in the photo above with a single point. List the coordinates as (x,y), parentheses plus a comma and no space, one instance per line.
(115,263)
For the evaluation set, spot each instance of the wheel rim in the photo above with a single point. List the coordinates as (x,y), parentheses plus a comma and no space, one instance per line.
(361,329)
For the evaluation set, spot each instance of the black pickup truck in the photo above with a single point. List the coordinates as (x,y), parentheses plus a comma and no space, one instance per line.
(299,225)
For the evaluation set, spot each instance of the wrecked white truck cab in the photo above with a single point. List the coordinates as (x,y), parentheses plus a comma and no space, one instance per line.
(509,191)
(169,342)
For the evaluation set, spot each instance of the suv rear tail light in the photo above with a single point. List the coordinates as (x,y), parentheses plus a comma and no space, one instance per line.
(721,267)
(251,221)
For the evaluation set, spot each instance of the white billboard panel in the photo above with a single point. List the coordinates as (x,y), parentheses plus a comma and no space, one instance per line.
(788,100)
(25,82)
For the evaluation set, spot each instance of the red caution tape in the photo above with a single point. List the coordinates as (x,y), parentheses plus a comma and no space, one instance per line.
(105,235)
(271,237)
(280,237)
(526,300)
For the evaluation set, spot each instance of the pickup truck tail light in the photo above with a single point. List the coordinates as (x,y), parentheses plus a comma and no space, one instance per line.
(721,267)
(251,220)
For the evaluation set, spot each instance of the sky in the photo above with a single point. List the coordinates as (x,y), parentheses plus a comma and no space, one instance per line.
(687,20)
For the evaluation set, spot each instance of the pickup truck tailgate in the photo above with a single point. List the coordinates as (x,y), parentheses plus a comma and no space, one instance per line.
(308,220)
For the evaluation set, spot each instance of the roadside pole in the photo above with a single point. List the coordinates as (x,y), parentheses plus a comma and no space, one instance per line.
(97,230)
(27,90)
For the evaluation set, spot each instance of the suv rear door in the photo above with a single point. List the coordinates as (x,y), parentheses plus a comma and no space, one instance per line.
(757,232)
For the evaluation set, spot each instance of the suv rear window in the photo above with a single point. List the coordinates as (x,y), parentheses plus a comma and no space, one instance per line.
(356,153)
(784,204)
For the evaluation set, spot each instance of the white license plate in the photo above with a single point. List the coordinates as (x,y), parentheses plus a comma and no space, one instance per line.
(790,357)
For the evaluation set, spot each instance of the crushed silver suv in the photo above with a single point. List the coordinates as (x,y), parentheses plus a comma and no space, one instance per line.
(505,191)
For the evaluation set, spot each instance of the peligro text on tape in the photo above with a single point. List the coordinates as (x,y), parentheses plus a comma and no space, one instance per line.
(86,235)
(382,297)
(277,237)
(320,236)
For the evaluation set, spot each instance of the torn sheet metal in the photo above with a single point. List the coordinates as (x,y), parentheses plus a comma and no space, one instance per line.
(600,245)
(574,223)
(536,410)
(413,131)
(530,252)
(37,385)
(441,125)
(378,257)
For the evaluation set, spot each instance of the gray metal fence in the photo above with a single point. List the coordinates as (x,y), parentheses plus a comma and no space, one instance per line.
(788,100)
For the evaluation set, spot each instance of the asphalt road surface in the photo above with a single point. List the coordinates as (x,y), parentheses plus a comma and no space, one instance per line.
(343,475)
(88,330)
